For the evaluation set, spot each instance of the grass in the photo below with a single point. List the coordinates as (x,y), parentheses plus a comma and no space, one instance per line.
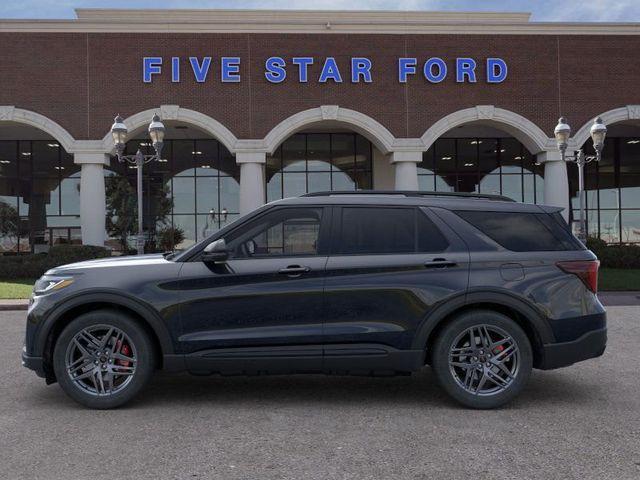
(16,288)
(611,279)
(618,279)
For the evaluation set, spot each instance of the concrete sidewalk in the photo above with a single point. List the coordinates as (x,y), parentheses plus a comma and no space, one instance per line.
(608,299)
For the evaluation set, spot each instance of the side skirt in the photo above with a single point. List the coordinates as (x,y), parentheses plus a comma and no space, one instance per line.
(351,359)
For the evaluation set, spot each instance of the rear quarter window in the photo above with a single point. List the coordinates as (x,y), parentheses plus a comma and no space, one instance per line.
(523,232)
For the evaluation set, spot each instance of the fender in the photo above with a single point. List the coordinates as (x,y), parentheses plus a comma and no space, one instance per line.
(505,298)
(114,297)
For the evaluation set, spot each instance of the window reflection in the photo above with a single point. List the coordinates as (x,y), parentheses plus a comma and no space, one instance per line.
(500,166)
(313,162)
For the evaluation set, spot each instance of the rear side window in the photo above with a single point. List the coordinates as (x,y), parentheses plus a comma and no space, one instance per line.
(523,232)
(379,230)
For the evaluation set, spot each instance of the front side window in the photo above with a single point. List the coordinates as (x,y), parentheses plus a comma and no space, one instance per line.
(284,232)
(379,230)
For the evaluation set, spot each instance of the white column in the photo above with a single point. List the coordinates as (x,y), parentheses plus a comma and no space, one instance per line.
(556,182)
(252,183)
(406,166)
(92,197)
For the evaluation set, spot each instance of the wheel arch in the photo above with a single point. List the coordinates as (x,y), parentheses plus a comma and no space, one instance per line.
(526,316)
(67,311)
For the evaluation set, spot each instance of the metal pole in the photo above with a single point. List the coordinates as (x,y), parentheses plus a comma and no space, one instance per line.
(582,230)
(140,239)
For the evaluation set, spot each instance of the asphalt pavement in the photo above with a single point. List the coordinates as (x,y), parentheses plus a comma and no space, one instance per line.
(582,422)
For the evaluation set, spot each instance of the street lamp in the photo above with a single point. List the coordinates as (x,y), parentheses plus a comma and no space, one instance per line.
(119,133)
(562,133)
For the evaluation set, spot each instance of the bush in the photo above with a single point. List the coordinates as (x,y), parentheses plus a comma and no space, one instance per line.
(615,256)
(34,265)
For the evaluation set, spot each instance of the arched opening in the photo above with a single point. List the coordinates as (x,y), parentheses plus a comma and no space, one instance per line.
(612,186)
(320,158)
(187,196)
(476,157)
(39,190)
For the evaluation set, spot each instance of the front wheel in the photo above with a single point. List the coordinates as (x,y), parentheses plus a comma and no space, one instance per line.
(482,359)
(102,359)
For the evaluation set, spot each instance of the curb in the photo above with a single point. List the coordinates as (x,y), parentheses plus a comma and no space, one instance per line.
(13,305)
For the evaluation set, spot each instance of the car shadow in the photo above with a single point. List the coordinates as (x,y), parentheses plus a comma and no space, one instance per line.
(418,390)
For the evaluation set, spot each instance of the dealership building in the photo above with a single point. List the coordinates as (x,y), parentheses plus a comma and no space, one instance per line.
(262,105)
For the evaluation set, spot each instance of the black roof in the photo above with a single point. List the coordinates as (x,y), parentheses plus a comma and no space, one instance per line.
(448,200)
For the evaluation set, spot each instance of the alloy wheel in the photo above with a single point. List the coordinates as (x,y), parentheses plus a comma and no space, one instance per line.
(484,360)
(101,360)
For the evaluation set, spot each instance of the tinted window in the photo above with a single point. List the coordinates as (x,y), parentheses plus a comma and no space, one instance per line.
(290,231)
(522,232)
(378,230)
(430,239)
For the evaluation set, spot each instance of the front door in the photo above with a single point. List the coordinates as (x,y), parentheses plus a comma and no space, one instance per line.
(263,306)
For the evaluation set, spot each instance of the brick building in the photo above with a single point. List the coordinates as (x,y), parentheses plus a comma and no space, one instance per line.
(261,105)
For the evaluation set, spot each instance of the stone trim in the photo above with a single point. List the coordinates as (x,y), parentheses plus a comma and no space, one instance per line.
(532,136)
(10,113)
(629,112)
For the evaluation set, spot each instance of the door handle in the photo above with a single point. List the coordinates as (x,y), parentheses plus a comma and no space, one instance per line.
(440,263)
(294,270)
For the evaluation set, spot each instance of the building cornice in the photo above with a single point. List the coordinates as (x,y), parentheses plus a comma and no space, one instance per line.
(311,22)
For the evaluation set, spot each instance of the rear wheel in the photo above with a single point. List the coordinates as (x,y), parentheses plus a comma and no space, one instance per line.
(103,359)
(482,359)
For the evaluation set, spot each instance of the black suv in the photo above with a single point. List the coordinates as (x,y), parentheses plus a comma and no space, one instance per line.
(481,288)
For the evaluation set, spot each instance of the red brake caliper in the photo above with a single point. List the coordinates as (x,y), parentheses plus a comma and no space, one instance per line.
(125,350)
(498,349)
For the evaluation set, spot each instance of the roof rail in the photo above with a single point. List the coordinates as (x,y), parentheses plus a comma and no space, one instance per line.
(411,193)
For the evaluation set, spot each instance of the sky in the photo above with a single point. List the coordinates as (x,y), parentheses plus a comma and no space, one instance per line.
(542,10)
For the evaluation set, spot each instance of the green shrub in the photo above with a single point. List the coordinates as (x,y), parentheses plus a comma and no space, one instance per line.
(615,256)
(34,265)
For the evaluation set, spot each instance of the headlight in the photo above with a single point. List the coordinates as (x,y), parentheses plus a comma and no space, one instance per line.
(49,284)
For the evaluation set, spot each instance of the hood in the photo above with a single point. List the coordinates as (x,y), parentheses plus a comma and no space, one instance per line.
(124,261)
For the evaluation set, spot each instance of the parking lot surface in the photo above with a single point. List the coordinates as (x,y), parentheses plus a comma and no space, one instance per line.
(579,422)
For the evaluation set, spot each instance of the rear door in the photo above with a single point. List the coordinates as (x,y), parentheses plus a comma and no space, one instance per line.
(389,266)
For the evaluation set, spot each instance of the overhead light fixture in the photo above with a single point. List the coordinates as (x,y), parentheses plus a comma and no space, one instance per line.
(58,168)
(632,142)
(503,150)
(517,158)
(205,166)
(4,162)
(197,152)
(162,160)
(447,158)
(476,142)
(469,164)
(53,145)
(26,154)
(145,144)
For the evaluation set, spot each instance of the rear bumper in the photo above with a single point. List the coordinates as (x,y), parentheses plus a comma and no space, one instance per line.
(590,345)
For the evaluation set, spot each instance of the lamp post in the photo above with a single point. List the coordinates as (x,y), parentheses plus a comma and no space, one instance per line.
(119,133)
(562,133)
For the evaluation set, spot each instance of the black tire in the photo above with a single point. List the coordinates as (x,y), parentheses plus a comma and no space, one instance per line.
(455,331)
(141,344)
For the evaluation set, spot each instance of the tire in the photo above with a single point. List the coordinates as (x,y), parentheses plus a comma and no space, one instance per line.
(125,363)
(465,384)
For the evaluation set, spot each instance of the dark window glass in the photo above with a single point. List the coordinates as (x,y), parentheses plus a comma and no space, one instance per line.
(377,230)
(522,232)
(290,231)
(430,239)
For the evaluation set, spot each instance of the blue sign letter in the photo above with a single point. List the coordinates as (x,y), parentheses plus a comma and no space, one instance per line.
(150,66)
(428,70)
(200,71)
(360,66)
(303,65)
(275,69)
(406,66)
(465,67)
(496,70)
(330,71)
(230,70)
(175,69)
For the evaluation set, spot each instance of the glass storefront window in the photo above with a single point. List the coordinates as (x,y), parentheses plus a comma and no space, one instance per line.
(313,162)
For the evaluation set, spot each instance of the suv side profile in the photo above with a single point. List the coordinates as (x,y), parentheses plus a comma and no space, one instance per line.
(479,287)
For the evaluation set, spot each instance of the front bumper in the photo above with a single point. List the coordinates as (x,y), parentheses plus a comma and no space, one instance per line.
(590,345)
(33,363)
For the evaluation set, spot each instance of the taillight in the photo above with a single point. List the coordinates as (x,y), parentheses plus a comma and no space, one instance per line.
(585,270)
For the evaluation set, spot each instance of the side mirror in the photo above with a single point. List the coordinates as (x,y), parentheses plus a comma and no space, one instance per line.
(216,251)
